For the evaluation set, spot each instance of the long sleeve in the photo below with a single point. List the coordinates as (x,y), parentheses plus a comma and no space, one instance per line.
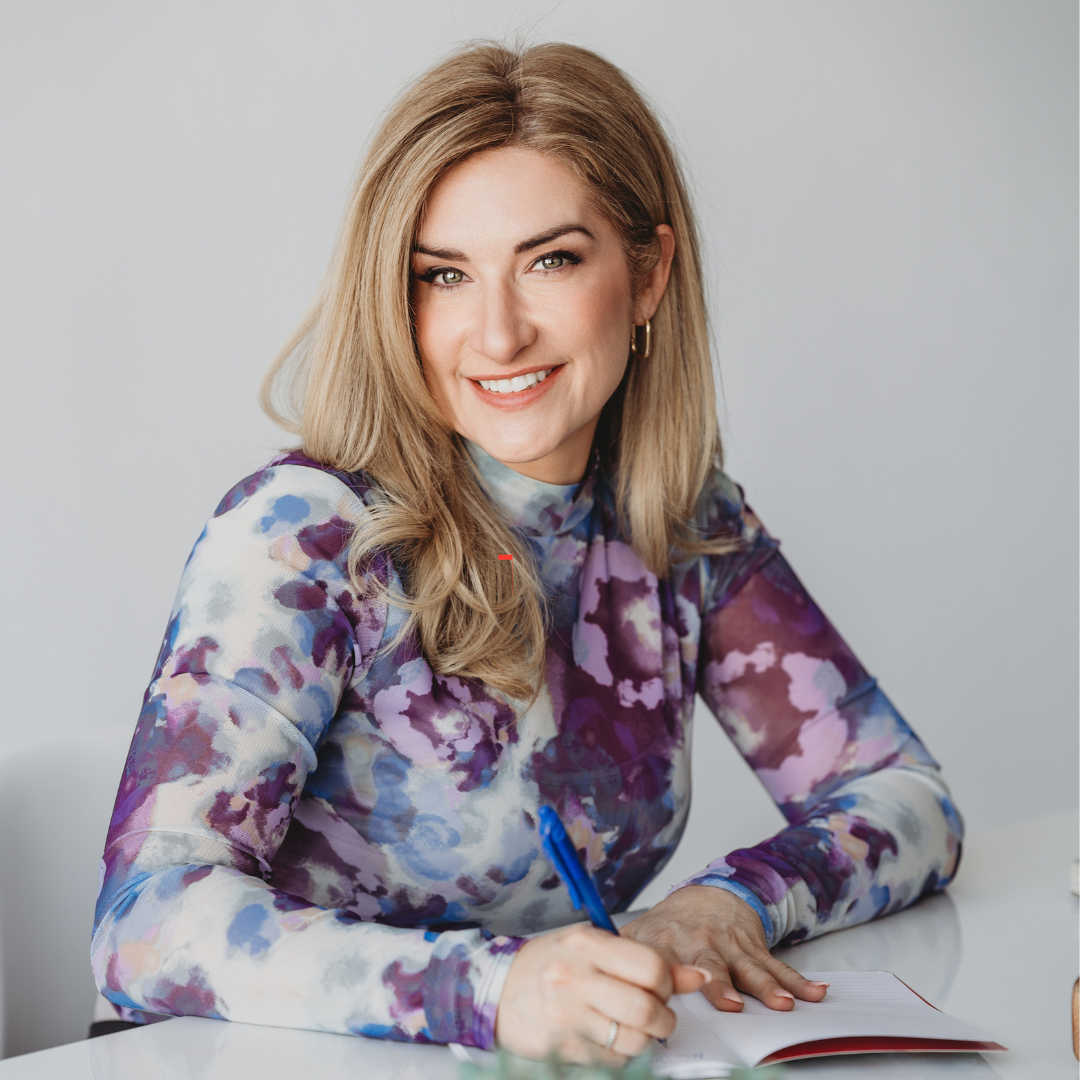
(265,638)
(872,826)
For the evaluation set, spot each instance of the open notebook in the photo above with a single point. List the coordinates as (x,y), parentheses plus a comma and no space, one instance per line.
(863,1012)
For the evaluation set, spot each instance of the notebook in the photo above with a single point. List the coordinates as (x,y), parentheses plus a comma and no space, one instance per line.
(863,1012)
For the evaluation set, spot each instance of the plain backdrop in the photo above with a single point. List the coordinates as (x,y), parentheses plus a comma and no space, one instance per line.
(887,194)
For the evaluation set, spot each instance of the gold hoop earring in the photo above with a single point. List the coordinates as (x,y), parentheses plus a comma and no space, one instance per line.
(644,354)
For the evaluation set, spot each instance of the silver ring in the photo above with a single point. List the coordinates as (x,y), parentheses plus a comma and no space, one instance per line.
(612,1035)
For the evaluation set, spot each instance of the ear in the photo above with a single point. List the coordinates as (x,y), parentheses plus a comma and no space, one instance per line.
(655,283)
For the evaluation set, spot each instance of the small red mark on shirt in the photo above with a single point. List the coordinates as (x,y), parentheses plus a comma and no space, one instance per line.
(511,558)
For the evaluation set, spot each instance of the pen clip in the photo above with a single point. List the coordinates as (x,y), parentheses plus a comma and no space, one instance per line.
(556,861)
(551,832)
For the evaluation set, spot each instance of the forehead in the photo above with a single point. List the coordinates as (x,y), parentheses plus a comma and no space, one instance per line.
(501,196)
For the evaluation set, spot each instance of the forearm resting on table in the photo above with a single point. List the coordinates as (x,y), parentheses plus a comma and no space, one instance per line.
(875,845)
(214,941)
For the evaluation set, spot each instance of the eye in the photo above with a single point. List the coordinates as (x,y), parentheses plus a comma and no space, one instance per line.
(556,260)
(442,277)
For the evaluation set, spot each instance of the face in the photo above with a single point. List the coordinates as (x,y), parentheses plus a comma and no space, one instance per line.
(523,306)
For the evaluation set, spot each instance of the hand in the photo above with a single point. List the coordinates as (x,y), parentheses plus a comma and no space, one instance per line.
(566,987)
(714,930)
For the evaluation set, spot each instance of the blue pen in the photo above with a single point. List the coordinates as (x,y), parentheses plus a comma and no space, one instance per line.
(564,858)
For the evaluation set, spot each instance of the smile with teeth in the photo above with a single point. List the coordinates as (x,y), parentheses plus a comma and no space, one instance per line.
(517,383)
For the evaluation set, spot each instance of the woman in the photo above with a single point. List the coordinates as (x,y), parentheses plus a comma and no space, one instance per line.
(328,815)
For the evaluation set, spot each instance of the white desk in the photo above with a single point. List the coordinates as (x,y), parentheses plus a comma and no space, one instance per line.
(1000,951)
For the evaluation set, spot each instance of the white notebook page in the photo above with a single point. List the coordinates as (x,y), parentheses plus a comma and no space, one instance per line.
(858,1003)
(693,1052)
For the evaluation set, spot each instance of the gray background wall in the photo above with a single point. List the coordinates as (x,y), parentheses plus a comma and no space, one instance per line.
(888,197)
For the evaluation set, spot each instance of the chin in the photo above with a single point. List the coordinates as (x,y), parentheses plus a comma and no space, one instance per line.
(514,451)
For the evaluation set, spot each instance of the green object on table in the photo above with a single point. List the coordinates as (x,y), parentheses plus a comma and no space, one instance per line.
(508,1067)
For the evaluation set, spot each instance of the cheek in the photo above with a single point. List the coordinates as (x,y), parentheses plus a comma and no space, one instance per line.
(433,344)
(602,319)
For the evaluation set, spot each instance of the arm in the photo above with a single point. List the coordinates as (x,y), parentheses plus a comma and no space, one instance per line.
(872,825)
(265,637)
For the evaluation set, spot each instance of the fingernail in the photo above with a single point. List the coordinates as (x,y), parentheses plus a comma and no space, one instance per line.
(731,995)
(707,974)
(783,994)
(824,985)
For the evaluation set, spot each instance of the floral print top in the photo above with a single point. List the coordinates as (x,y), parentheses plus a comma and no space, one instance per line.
(313,831)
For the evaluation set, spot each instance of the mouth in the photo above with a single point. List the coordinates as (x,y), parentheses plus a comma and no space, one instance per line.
(516,384)
(521,389)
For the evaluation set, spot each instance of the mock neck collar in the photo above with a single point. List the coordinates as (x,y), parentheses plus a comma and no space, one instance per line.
(537,508)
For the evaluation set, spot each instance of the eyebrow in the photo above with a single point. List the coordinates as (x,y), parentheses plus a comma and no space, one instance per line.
(452,254)
(551,234)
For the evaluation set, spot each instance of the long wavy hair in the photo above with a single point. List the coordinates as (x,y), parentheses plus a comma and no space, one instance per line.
(350,383)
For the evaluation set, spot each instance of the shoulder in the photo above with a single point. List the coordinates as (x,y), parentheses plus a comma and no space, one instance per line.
(267,586)
(724,512)
(292,511)
(277,547)
(292,479)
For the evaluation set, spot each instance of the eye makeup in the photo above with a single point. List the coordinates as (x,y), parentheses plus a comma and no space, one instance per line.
(430,276)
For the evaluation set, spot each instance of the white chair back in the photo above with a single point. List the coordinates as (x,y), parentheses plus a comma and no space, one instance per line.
(56,797)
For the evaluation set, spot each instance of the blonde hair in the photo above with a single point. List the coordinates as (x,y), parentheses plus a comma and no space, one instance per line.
(350,383)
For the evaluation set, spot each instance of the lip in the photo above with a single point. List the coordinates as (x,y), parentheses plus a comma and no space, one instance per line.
(521,398)
(524,371)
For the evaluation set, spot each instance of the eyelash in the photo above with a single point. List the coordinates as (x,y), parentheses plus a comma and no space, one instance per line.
(429,276)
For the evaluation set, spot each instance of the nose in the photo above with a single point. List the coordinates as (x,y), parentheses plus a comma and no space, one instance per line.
(502,328)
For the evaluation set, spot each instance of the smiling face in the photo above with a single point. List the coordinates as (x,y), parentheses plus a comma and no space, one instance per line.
(523,306)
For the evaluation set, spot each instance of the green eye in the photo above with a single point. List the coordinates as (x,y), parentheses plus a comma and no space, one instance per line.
(452,277)
(552,262)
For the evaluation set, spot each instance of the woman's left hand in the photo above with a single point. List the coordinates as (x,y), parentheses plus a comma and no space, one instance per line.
(713,929)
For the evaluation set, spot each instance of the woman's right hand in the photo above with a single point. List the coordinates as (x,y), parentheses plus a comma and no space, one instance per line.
(565,988)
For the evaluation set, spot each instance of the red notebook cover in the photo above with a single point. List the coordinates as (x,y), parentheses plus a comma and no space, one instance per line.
(881,1013)
(871,1044)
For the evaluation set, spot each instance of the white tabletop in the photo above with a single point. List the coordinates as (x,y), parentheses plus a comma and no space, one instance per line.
(999,951)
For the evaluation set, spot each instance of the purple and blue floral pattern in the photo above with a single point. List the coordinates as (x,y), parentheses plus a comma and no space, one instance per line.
(312,831)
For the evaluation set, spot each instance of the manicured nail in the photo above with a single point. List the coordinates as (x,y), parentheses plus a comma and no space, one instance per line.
(731,995)
(707,974)
(783,994)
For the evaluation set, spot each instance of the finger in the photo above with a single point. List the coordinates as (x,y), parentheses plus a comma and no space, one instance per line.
(634,1008)
(719,991)
(752,976)
(791,980)
(634,963)
(686,978)
(630,1041)
(578,1050)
